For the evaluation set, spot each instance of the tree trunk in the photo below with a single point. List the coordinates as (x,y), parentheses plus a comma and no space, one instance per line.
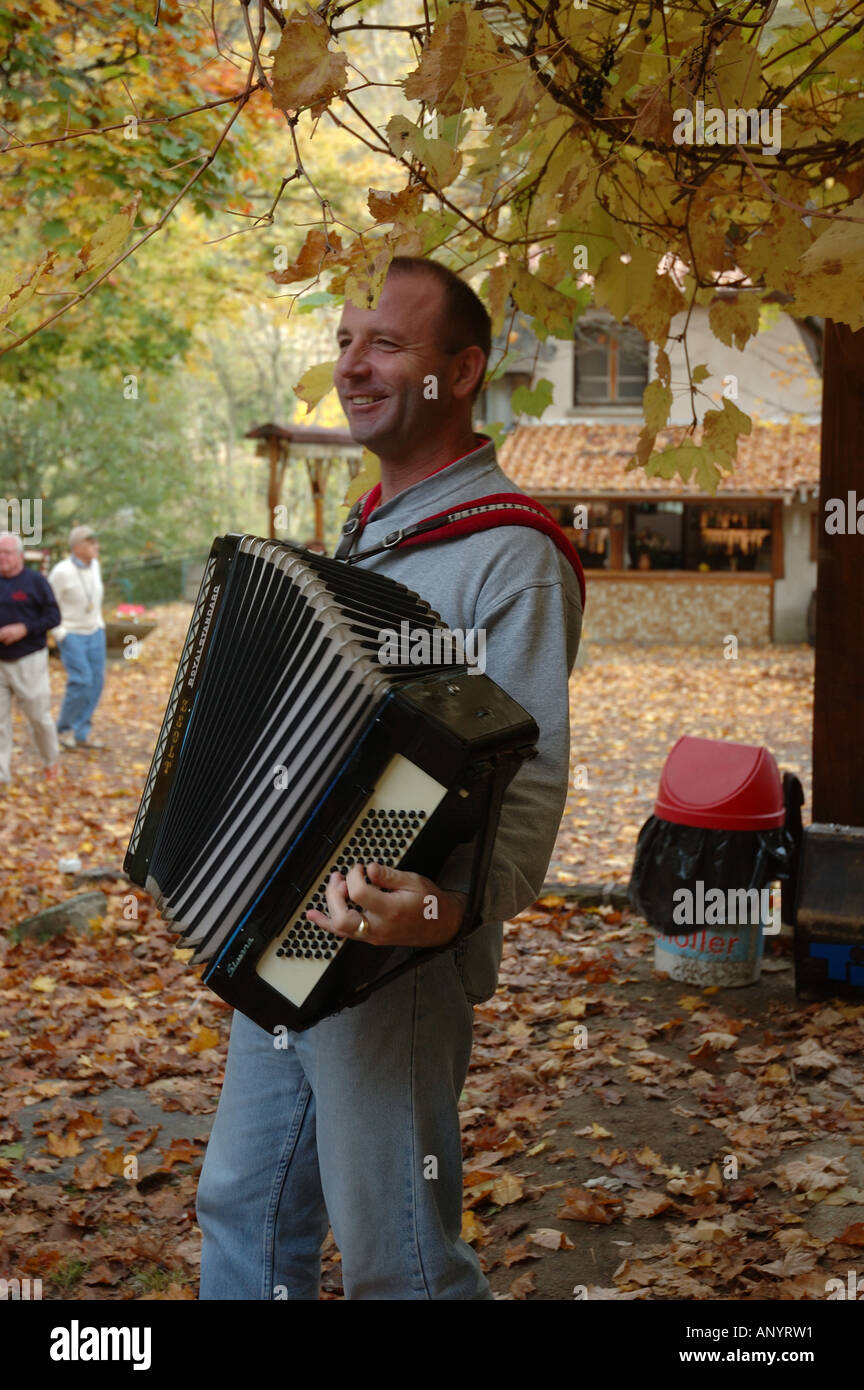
(838,708)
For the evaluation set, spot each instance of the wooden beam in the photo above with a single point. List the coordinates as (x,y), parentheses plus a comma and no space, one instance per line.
(838,709)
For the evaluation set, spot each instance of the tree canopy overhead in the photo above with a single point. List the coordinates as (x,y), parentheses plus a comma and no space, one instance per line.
(652,156)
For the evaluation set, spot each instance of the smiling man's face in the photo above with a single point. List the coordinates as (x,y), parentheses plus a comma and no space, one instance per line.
(388,354)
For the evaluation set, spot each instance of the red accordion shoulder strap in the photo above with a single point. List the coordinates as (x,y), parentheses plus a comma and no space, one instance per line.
(478,514)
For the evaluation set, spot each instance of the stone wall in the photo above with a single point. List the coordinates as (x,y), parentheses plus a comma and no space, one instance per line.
(689,609)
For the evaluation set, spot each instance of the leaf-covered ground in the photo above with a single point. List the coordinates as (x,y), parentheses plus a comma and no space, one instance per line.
(629,705)
(687,1144)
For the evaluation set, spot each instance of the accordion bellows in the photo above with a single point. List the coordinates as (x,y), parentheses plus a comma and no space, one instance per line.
(288,749)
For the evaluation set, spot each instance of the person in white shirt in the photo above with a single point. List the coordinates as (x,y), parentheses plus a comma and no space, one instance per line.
(77,584)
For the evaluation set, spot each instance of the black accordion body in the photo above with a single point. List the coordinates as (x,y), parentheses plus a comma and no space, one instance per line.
(289,750)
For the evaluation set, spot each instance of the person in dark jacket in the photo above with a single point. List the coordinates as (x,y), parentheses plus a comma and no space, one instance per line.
(28,610)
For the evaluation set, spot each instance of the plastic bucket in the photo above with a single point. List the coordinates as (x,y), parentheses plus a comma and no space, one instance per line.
(711,955)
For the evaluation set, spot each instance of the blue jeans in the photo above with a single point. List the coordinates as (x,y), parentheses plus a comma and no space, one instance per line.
(355,1121)
(83,655)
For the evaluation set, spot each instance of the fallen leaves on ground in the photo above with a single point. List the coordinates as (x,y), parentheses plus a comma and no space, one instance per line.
(623,1135)
(629,704)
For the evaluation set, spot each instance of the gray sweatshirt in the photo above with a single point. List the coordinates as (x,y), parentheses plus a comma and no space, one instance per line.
(513,583)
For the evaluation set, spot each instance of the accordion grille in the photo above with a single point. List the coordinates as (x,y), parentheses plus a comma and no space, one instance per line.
(182,669)
(291,679)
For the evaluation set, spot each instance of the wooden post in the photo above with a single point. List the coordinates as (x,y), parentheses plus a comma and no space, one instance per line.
(617,533)
(838,709)
(274,450)
(318,470)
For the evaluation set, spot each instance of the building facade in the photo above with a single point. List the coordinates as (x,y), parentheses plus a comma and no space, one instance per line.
(664,560)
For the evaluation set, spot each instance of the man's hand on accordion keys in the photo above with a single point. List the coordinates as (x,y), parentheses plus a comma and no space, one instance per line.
(398,908)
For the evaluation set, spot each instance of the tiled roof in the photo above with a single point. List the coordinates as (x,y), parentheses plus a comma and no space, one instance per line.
(590,459)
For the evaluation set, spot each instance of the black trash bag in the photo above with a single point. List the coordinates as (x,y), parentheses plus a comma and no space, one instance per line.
(793,800)
(671,856)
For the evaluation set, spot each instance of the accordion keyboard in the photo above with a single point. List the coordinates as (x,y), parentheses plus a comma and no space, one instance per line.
(383,832)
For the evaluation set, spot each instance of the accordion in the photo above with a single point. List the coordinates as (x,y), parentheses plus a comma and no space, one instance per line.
(290,749)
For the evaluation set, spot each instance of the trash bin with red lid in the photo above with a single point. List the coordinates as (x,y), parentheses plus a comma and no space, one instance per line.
(705,859)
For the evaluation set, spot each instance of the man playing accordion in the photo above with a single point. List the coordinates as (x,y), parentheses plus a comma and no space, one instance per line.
(341,1126)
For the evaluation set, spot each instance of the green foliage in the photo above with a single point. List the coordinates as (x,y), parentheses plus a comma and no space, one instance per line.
(534,401)
(123,466)
(548,152)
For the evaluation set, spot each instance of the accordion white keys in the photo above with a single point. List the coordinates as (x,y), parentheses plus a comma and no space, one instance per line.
(290,748)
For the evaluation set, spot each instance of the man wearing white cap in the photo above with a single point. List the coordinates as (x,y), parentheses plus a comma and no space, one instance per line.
(77,583)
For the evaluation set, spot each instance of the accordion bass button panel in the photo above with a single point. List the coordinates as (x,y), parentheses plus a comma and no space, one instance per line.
(384,830)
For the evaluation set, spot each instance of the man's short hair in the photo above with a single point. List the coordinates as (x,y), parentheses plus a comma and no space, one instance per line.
(19,544)
(466,322)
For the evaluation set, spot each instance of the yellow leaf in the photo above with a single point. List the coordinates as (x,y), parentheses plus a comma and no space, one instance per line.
(368,476)
(364,279)
(472,1229)
(707,223)
(507,1189)
(851,124)
(16,290)
(647,1157)
(500,284)
(120,1001)
(656,403)
(114,1161)
(553,312)
(518,1030)
(505,87)
(442,60)
(829,280)
(719,1041)
(654,315)
(720,431)
(305,72)
(107,243)
(735,319)
(315,383)
(319,251)
(441,160)
(738,72)
(574,1008)
(65,1146)
(622,286)
(45,984)
(655,118)
(550,1239)
(205,1038)
(395,207)
(775,1073)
